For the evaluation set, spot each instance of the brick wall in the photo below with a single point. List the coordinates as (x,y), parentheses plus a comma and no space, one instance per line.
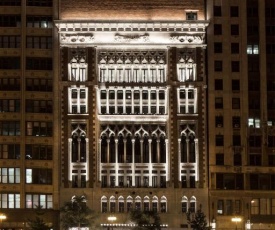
(129,9)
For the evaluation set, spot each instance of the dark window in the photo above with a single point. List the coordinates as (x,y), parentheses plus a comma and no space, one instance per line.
(9,151)
(235,66)
(271,141)
(39,106)
(9,105)
(235,85)
(270,12)
(218,66)
(39,128)
(10,20)
(270,30)
(217,47)
(191,16)
(235,48)
(217,29)
(234,29)
(38,152)
(271,160)
(236,122)
(255,159)
(235,103)
(217,11)
(9,128)
(39,2)
(252,11)
(9,62)
(236,140)
(10,3)
(229,181)
(219,159)
(255,141)
(39,42)
(252,30)
(10,84)
(219,140)
(218,103)
(10,41)
(219,121)
(38,63)
(218,84)
(270,48)
(234,11)
(36,84)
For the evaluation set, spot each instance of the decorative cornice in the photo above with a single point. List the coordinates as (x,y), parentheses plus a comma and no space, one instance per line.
(188,39)
(132,38)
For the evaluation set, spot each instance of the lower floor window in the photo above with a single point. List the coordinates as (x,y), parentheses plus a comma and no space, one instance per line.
(44,201)
(9,200)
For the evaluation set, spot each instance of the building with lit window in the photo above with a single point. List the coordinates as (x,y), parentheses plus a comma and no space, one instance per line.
(148,104)
(29,159)
(133,107)
(241,115)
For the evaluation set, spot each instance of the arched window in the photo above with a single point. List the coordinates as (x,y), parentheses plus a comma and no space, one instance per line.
(162,148)
(129,149)
(120,149)
(138,203)
(154,149)
(121,204)
(184,204)
(163,204)
(78,150)
(112,204)
(104,149)
(129,203)
(137,150)
(112,149)
(104,205)
(155,204)
(192,204)
(145,149)
(146,203)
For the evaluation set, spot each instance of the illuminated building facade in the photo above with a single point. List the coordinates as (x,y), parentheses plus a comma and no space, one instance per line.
(241,113)
(133,108)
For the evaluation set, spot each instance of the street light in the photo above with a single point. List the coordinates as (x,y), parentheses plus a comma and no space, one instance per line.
(2,217)
(236,220)
(111,219)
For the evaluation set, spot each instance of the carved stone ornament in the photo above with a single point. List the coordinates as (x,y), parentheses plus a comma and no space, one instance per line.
(76,38)
(188,39)
(132,38)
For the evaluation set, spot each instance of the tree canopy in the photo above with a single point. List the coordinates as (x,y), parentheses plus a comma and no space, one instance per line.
(75,213)
(145,219)
(197,222)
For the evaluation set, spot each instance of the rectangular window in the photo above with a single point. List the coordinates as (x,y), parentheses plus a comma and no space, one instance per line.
(235,103)
(217,11)
(10,84)
(9,175)
(38,152)
(235,66)
(218,66)
(218,84)
(234,11)
(219,140)
(217,47)
(9,200)
(219,121)
(9,151)
(220,207)
(39,84)
(235,84)
(9,63)
(39,21)
(38,176)
(45,201)
(39,106)
(191,16)
(9,105)
(235,48)
(34,63)
(10,128)
(41,42)
(234,30)
(10,41)
(10,3)
(219,159)
(12,20)
(217,29)
(218,103)
(46,3)
(38,128)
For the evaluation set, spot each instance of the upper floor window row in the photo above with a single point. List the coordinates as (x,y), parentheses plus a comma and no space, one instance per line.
(10,84)
(9,105)
(132,73)
(39,42)
(9,128)
(39,21)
